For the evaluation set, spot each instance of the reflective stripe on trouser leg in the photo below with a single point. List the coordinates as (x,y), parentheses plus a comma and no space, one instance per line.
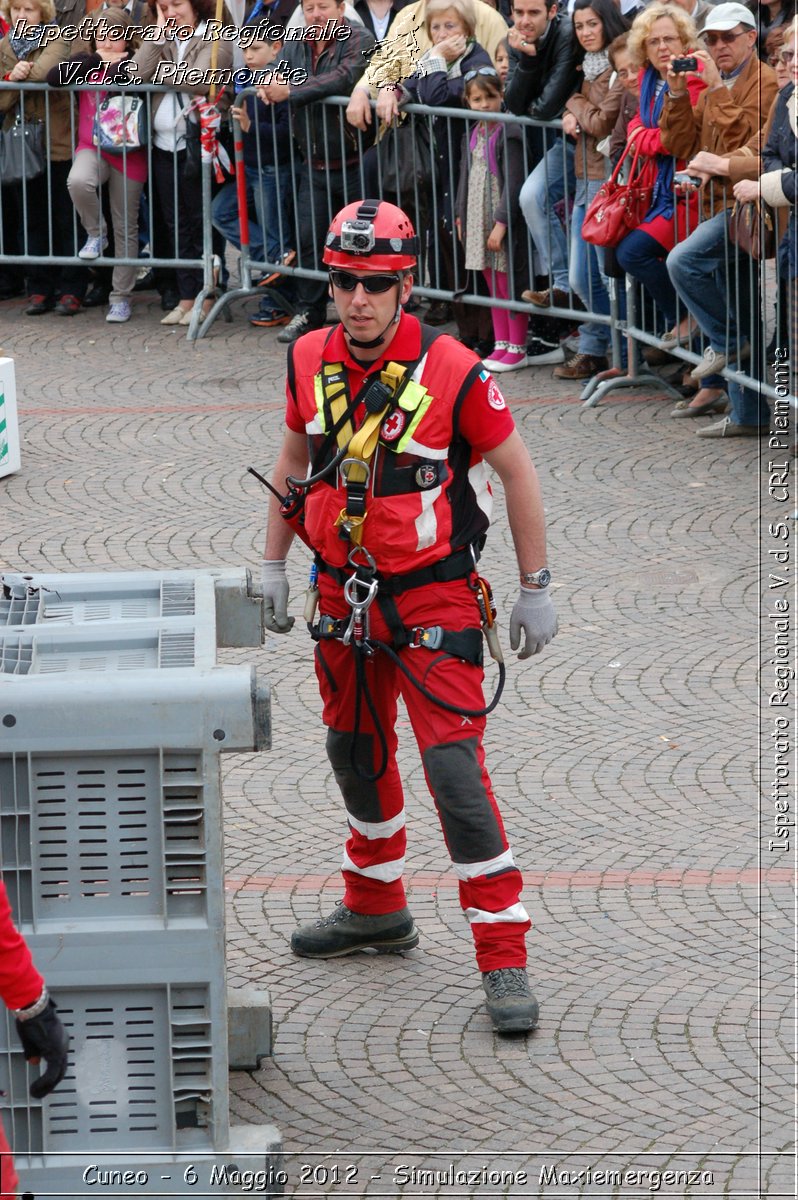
(374,854)
(490,883)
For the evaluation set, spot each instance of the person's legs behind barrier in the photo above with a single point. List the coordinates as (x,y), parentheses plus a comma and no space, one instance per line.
(551,181)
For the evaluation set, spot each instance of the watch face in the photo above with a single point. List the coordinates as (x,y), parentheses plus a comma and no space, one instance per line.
(544,577)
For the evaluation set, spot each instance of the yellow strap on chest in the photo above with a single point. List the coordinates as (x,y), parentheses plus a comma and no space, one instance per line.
(360,444)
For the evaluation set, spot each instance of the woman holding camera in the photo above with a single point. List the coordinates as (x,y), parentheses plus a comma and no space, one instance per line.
(660,34)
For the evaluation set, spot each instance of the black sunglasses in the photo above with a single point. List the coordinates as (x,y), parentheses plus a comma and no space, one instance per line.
(374,284)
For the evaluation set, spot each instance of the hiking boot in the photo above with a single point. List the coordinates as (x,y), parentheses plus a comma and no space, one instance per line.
(582,366)
(344,932)
(511,1005)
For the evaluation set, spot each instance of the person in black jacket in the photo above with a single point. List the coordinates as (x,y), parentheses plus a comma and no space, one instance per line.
(542,76)
(266,130)
(330,175)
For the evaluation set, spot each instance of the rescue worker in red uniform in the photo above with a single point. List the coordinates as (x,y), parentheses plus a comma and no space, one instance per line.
(398,424)
(40,1031)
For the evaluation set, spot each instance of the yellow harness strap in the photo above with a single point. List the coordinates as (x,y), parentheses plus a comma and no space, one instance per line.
(360,444)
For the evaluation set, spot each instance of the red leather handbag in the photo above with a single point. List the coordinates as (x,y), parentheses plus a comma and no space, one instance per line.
(618,208)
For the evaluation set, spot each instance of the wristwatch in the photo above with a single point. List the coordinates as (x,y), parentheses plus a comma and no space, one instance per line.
(35,1009)
(541,578)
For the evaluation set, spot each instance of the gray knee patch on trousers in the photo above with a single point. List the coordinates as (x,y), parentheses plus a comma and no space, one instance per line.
(360,795)
(469,822)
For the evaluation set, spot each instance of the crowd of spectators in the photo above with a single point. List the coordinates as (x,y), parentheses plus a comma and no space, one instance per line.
(709,134)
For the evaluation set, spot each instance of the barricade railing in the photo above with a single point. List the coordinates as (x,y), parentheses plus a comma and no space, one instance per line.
(39,224)
(414,164)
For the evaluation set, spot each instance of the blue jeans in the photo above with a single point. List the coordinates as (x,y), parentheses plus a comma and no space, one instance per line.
(709,275)
(642,257)
(551,181)
(271,198)
(586,276)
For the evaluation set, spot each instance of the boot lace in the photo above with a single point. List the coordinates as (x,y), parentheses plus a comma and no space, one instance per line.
(507,981)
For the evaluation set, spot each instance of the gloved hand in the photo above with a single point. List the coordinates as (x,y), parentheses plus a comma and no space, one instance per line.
(533,612)
(44,1037)
(274,585)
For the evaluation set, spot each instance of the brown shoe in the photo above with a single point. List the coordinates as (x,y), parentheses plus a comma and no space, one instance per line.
(581,366)
(551,298)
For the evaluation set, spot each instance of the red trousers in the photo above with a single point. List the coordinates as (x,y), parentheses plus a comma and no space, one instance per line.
(454,766)
(8,1176)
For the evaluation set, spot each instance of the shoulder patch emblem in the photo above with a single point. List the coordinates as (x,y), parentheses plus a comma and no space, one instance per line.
(427,475)
(495,398)
(393,425)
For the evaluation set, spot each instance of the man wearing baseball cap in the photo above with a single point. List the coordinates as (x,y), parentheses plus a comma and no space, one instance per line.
(710,281)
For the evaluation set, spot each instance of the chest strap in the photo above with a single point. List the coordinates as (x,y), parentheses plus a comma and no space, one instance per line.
(379,396)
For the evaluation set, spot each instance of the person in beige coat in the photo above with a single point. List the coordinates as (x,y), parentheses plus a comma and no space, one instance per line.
(396,58)
(182,50)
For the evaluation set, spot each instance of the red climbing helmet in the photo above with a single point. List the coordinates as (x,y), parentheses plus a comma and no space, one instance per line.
(371,235)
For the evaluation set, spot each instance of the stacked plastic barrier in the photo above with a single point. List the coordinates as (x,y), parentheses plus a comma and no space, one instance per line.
(113,717)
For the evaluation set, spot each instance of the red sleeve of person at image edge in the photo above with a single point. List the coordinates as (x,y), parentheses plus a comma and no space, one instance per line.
(20,985)
(292,417)
(485,420)
(9,1180)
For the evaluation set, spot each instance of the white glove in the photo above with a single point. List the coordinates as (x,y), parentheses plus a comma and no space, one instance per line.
(274,586)
(533,612)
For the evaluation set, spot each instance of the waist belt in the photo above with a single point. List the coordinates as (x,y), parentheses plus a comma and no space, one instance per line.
(457,565)
(462,643)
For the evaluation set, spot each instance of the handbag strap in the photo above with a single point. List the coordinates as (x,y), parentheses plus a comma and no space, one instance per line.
(619,165)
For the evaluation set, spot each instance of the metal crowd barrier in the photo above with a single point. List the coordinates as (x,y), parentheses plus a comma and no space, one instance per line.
(405,167)
(26,239)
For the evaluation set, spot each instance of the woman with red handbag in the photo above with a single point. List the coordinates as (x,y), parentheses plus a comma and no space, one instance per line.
(660,34)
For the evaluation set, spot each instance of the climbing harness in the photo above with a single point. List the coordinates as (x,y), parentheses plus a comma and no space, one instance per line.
(381,395)
(361,589)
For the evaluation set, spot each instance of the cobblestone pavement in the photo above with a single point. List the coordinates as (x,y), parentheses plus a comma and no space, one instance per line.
(624,759)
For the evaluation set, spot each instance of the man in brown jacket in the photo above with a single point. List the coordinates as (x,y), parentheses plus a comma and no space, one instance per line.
(739,92)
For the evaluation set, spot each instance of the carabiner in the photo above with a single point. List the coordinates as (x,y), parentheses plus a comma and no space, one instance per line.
(353,555)
(354,602)
(354,462)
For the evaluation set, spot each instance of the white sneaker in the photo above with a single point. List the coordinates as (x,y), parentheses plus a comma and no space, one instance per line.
(93,248)
(119,312)
(713,361)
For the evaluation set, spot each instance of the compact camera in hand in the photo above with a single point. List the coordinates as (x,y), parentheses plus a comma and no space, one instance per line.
(685,179)
(357,236)
(680,65)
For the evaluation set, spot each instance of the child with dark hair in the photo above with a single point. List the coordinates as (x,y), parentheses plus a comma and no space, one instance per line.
(491,174)
(113,41)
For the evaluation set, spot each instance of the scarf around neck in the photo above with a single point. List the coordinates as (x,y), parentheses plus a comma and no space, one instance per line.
(31,40)
(651,105)
(595,63)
